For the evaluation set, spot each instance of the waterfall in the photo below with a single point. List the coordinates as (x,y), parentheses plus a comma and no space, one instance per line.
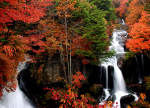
(16,99)
(118,77)
(142,60)
(119,83)
(139,68)
(123,22)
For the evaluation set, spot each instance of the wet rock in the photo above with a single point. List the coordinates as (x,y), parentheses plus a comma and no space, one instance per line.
(111,98)
(120,62)
(125,100)
(114,98)
(122,33)
(110,76)
(124,38)
(111,70)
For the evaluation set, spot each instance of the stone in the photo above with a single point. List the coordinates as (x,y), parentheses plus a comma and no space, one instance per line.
(120,62)
(125,100)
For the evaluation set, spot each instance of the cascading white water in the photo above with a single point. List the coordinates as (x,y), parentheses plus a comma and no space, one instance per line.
(16,99)
(118,78)
(138,70)
(119,83)
(123,22)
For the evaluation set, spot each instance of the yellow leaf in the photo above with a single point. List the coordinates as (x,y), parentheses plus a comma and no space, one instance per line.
(69,91)
(69,103)
(143,96)
(128,106)
(61,107)
(62,100)
(82,96)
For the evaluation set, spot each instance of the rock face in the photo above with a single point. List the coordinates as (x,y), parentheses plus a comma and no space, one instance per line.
(131,71)
(54,70)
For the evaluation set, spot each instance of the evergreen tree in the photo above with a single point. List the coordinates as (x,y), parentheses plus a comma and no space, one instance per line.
(94,30)
(106,6)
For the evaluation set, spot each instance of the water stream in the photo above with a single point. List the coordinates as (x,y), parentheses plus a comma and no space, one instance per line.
(16,99)
(119,83)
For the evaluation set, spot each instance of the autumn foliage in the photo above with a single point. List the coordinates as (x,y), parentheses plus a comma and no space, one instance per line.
(135,10)
(68,99)
(139,33)
(77,78)
(137,18)
(139,24)
(122,9)
(13,45)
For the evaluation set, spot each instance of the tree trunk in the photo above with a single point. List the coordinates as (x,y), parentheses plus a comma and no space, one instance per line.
(70,65)
(62,58)
(67,40)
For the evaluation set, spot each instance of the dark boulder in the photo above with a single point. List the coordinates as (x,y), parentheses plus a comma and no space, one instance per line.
(126,100)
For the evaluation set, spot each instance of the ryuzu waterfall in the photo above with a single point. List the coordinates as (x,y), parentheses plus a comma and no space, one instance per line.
(119,87)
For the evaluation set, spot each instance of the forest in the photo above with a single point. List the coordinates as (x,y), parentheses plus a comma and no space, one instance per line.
(68,31)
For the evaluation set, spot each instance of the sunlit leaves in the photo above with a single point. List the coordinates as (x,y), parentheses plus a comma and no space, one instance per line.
(135,10)
(140,35)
